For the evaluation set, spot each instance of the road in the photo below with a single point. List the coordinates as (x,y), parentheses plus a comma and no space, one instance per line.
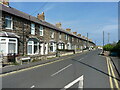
(88,70)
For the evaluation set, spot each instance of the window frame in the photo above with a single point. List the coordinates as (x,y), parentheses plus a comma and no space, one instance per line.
(33,44)
(32,28)
(7,42)
(41,30)
(60,35)
(66,37)
(10,19)
(51,45)
(52,34)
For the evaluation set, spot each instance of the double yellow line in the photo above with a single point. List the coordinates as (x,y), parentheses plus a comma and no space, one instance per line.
(111,73)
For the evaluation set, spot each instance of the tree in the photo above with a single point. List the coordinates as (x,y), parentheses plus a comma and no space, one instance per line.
(117,47)
(108,47)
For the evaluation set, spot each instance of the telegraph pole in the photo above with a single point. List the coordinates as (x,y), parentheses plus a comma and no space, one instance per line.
(103,41)
(108,37)
(87,40)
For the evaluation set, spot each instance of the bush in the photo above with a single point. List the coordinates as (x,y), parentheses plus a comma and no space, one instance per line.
(108,47)
(117,47)
(113,48)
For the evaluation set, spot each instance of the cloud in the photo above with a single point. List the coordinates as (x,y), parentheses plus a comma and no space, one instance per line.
(110,28)
(107,28)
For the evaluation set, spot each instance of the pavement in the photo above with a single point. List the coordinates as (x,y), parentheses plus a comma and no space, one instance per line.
(116,63)
(88,70)
(11,68)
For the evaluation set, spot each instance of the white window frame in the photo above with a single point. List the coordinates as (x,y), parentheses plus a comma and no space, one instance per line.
(60,35)
(41,30)
(52,34)
(7,41)
(72,39)
(30,43)
(33,44)
(66,37)
(52,45)
(10,19)
(61,46)
(33,28)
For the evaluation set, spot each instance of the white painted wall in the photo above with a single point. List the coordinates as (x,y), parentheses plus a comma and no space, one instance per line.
(69,47)
(46,51)
(66,46)
(42,49)
(59,47)
(54,47)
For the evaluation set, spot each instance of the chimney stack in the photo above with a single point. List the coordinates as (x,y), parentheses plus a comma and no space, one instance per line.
(86,38)
(83,37)
(68,30)
(90,40)
(58,25)
(75,33)
(5,2)
(41,16)
(79,35)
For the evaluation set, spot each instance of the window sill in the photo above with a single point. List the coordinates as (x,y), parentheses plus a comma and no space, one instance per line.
(9,28)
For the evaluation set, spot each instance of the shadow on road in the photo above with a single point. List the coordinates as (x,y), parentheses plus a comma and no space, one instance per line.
(96,69)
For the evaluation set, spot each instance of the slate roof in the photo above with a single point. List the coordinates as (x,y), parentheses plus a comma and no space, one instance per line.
(8,34)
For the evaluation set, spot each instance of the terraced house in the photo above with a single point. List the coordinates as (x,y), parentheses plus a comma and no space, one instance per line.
(24,34)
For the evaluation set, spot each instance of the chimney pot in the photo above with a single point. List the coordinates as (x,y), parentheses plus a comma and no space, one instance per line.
(41,16)
(5,2)
(79,35)
(83,37)
(75,33)
(68,29)
(58,25)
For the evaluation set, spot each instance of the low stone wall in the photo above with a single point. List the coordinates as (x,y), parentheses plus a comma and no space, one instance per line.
(32,58)
(39,57)
(66,53)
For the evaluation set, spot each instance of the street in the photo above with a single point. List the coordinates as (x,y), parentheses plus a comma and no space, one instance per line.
(87,70)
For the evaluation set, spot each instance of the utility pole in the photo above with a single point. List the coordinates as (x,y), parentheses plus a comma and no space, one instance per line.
(103,41)
(108,37)
(87,40)
(95,44)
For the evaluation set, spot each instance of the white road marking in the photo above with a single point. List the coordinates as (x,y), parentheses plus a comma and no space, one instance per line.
(80,85)
(82,58)
(32,86)
(61,70)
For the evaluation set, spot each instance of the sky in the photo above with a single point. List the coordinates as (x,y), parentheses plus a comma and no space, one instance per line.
(84,17)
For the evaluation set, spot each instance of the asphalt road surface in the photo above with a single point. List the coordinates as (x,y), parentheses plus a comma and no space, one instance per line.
(88,70)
